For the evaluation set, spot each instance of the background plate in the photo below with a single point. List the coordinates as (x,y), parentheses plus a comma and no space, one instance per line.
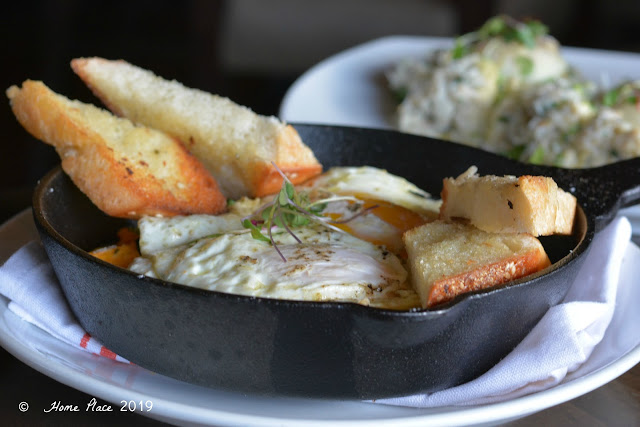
(350,89)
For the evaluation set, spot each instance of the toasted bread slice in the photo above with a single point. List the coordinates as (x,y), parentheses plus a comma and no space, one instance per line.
(236,145)
(126,170)
(450,259)
(526,204)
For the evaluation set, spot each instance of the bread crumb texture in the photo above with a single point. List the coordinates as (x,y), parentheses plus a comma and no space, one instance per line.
(525,204)
(447,259)
(127,170)
(234,143)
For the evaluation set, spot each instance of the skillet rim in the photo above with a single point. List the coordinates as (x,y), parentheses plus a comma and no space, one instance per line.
(40,217)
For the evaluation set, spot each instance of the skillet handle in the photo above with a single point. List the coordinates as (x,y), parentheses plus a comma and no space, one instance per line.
(602,191)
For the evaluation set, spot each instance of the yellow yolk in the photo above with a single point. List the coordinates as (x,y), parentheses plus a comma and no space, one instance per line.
(397,218)
(401,218)
(123,253)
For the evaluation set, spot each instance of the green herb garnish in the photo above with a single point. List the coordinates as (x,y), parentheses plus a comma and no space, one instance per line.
(610,98)
(400,94)
(505,27)
(525,64)
(625,93)
(460,49)
(516,152)
(493,27)
(571,132)
(537,158)
(291,209)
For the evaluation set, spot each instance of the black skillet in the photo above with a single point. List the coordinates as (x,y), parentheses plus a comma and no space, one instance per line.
(329,350)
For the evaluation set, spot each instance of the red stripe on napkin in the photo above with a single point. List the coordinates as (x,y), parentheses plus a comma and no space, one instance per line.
(107,353)
(85,340)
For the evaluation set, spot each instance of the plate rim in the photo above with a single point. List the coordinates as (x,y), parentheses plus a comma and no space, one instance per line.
(411,42)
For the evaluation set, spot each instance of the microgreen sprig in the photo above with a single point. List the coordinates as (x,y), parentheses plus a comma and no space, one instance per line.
(290,209)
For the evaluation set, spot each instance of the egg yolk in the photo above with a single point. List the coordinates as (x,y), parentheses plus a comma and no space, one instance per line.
(400,218)
(123,253)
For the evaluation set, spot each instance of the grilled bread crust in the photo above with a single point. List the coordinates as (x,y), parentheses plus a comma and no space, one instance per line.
(448,259)
(126,170)
(236,145)
(526,204)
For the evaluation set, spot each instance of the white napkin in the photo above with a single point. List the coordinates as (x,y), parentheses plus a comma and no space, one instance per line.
(34,293)
(559,344)
(562,340)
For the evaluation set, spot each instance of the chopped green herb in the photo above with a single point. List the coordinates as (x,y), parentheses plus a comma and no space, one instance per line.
(493,27)
(516,152)
(509,29)
(400,94)
(525,36)
(610,98)
(502,89)
(581,87)
(525,64)
(537,158)
(537,28)
(460,49)
(574,129)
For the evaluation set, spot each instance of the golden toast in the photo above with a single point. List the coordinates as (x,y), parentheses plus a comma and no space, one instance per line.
(509,204)
(126,170)
(235,144)
(448,259)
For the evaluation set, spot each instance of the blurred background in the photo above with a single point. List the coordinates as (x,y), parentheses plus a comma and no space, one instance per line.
(248,50)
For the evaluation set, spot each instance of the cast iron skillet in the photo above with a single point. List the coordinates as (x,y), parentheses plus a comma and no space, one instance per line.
(329,350)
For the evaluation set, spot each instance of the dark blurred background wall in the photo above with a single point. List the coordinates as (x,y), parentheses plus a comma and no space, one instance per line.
(248,50)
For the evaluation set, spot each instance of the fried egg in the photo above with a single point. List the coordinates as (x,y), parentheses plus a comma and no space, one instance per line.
(353,252)
(383,205)
(328,266)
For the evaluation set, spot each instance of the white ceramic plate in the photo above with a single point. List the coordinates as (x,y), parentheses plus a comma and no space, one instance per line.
(349,88)
(181,403)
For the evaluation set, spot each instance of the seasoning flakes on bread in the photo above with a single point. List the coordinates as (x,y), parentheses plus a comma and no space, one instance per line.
(125,169)
(448,259)
(487,234)
(525,204)
(236,145)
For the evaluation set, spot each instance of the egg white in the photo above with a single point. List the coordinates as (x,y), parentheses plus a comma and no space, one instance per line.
(361,264)
(382,207)
(328,266)
(370,183)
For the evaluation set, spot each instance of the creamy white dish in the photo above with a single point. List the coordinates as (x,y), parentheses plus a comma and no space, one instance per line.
(354,254)
(506,88)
